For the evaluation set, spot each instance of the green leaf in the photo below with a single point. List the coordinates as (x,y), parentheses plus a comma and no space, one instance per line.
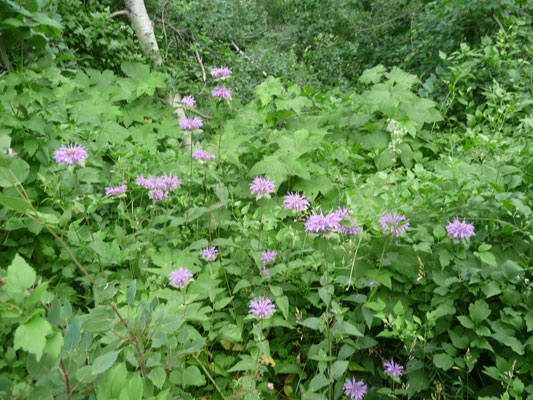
(283,304)
(511,269)
(133,390)
(32,336)
(16,173)
(73,335)
(338,368)
(465,321)
(192,376)
(15,203)
(312,323)
(372,75)
(443,361)
(246,364)
(104,362)
(318,382)
(350,329)
(487,257)
(54,345)
(130,293)
(269,88)
(272,167)
(20,277)
(479,311)
(158,376)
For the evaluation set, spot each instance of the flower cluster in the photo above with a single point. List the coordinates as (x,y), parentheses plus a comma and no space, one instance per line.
(261,187)
(221,73)
(296,202)
(262,307)
(159,186)
(188,101)
(222,92)
(332,221)
(396,132)
(202,156)
(355,390)
(180,277)
(115,191)
(73,154)
(460,230)
(392,369)
(268,256)
(189,124)
(395,224)
(209,253)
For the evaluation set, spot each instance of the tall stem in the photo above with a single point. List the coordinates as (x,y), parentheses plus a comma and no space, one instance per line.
(208,201)
(190,182)
(327,318)
(87,218)
(260,226)
(293,232)
(220,135)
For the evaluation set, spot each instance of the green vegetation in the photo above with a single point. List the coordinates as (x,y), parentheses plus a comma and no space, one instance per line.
(419,109)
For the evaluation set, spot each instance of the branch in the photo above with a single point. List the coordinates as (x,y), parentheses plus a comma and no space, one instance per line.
(201,65)
(382,24)
(498,21)
(117,13)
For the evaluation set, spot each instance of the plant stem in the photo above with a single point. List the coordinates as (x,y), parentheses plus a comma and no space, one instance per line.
(87,219)
(293,232)
(190,182)
(260,226)
(327,318)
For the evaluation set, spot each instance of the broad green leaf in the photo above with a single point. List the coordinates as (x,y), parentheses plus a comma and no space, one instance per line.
(486,257)
(318,382)
(54,345)
(511,269)
(133,389)
(283,304)
(158,376)
(312,323)
(479,311)
(20,277)
(104,362)
(246,364)
(372,75)
(443,361)
(31,336)
(15,174)
(73,335)
(130,293)
(338,368)
(190,376)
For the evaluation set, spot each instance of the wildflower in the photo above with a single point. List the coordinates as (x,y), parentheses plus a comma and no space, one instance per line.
(265,271)
(202,156)
(73,154)
(344,213)
(395,224)
(393,369)
(373,283)
(296,201)
(320,223)
(209,253)
(262,307)
(261,187)
(354,390)
(168,182)
(115,191)
(460,230)
(188,101)
(221,73)
(268,256)
(180,277)
(158,194)
(191,123)
(222,92)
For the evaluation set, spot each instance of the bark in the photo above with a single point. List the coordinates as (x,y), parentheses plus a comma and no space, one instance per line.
(144,29)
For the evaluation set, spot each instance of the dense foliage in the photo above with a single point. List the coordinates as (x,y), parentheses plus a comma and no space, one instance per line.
(406,275)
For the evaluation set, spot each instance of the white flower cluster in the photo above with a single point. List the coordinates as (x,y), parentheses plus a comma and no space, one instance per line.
(397,132)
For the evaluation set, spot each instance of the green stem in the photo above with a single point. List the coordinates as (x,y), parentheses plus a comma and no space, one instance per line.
(327,319)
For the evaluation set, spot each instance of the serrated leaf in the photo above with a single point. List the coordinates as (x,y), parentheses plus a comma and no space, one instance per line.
(20,277)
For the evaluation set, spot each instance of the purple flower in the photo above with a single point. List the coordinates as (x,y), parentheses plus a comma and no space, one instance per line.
(220,73)
(344,213)
(392,369)
(73,154)
(115,191)
(460,230)
(222,92)
(180,277)
(320,223)
(261,187)
(209,253)
(168,182)
(296,201)
(265,271)
(191,123)
(373,283)
(188,101)
(394,224)
(268,256)
(262,307)
(354,390)
(158,194)
(202,156)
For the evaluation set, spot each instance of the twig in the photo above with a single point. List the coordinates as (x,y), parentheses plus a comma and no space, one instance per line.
(5,57)
(209,376)
(117,13)
(498,21)
(382,24)
(200,114)
(201,65)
